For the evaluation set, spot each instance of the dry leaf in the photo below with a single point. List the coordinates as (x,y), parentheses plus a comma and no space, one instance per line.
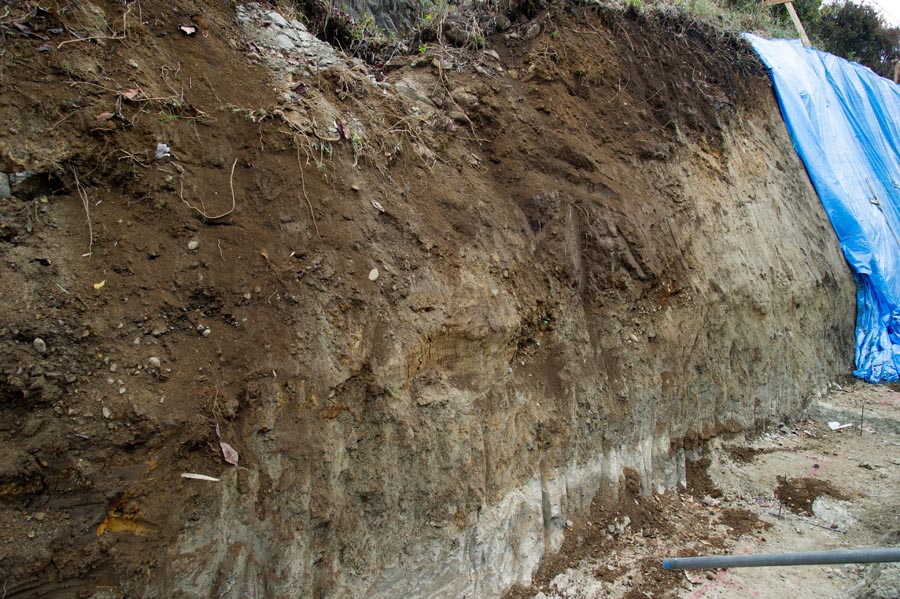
(105,116)
(695,580)
(377,205)
(130,94)
(196,111)
(231,456)
(194,476)
(228,452)
(100,285)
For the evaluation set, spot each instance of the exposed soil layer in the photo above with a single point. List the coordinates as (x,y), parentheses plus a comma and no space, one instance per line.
(436,316)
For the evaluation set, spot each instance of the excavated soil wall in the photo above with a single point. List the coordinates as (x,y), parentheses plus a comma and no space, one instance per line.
(437,312)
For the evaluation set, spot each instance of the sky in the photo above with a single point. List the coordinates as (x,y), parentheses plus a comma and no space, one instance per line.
(889,10)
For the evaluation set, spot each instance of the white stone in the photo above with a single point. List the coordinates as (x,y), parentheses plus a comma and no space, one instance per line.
(5,190)
(277,19)
(284,42)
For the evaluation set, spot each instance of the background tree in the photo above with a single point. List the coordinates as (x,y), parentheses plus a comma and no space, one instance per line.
(808,10)
(857,32)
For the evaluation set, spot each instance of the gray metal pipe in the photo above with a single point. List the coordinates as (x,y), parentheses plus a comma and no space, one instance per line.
(810,558)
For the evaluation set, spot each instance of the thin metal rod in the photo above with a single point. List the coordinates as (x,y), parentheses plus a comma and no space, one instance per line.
(811,558)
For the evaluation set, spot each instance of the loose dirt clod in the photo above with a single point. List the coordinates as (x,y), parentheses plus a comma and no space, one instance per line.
(798,494)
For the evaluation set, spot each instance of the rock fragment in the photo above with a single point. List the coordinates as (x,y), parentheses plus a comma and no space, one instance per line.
(458,117)
(5,190)
(464,98)
(277,19)
(284,42)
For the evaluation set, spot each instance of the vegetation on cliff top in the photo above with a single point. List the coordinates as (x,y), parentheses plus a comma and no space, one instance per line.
(843,27)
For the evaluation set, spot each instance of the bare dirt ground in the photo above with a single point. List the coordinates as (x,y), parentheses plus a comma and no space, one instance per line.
(801,487)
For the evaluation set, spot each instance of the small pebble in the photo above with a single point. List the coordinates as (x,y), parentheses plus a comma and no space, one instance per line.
(40,345)
(154,362)
(207,332)
(373,274)
(113,367)
(193,244)
(106,412)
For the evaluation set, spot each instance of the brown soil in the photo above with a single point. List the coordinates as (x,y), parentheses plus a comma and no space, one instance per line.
(168,328)
(742,521)
(745,455)
(798,494)
(698,481)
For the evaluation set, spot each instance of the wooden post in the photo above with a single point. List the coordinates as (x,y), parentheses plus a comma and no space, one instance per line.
(897,72)
(793,13)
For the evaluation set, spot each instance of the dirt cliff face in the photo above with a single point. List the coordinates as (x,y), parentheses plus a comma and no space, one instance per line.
(436,315)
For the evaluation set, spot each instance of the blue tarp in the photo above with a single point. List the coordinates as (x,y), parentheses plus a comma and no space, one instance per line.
(845,123)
